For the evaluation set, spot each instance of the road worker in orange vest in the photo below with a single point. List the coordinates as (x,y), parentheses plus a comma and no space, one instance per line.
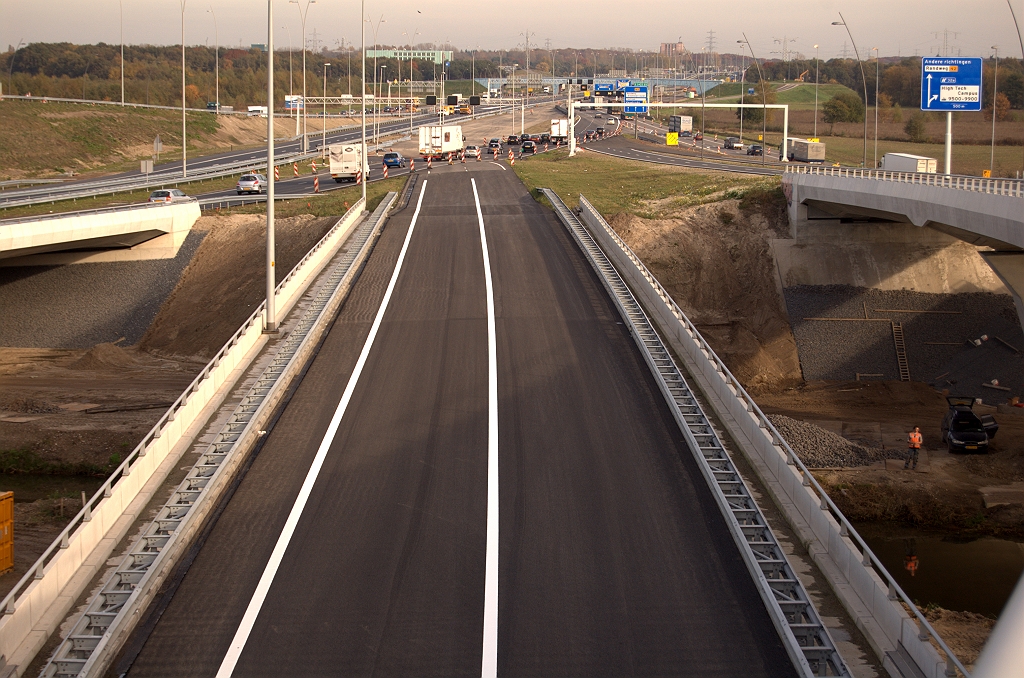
(914,441)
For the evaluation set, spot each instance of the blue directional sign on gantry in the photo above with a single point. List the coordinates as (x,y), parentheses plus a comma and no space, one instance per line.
(951,84)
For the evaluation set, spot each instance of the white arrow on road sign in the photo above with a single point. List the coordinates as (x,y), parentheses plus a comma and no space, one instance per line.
(931,97)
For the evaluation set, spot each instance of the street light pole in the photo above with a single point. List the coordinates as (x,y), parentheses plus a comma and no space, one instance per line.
(270,321)
(815,91)
(302,17)
(995,93)
(323,141)
(864,80)
(764,107)
(875,161)
(362,87)
(291,92)
(184,143)
(120,6)
(743,87)
(216,47)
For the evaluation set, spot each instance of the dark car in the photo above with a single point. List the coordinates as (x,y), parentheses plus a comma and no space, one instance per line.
(755,150)
(526,136)
(589,135)
(529,147)
(512,140)
(965,431)
(686,133)
(545,138)
(600,131)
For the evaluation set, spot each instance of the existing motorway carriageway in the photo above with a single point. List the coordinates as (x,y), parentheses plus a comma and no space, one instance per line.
(477,475)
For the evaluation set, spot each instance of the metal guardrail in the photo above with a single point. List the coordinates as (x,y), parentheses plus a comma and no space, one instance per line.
(1008,187)
(807,640)
(77,655)
(868,558)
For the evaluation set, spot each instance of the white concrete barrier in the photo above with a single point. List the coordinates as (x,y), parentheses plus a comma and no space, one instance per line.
(865,588)
(118,229)
(46,593)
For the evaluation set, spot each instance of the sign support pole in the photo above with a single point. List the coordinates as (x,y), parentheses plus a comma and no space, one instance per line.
(572,127)
(949,142)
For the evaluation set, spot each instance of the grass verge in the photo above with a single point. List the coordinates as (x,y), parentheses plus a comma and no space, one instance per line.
(615,185)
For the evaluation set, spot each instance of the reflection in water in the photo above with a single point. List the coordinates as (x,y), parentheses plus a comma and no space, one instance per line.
(973,576)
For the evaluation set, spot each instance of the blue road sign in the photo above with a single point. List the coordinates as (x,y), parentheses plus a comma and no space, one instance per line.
(621,85)
(951,84)
(603,87)
(636,96)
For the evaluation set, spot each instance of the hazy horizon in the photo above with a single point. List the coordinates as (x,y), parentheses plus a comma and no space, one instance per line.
(911,28)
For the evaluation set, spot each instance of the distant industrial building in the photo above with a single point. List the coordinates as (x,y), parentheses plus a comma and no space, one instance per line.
(672,48)
(438,56)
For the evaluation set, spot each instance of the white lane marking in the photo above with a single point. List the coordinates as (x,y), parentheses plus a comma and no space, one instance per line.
(503,169)
(489,665)
(263,588)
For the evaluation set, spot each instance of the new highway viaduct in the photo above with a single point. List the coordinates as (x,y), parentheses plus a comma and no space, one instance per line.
(987,213)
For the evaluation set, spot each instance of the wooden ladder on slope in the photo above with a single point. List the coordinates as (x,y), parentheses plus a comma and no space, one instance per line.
(901,351)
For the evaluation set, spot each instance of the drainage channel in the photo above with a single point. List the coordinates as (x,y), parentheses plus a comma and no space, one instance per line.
(108,610)
(807,640)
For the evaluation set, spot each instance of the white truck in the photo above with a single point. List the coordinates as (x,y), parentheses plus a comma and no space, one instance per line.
(805,150)
(345,162)
(905,162)
(437,141)
(559,129)
(680,123)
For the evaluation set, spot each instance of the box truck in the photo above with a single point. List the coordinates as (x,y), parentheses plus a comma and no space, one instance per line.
(345,162)
(559,130)
(437,141)
(905,162)
(680,123)
(805,150)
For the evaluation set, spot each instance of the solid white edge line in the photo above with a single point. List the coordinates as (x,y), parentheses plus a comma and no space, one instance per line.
(489,663)
(245,627)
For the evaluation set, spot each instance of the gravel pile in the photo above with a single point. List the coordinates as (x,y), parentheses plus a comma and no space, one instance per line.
(82,305)
(819,448)
(939,348)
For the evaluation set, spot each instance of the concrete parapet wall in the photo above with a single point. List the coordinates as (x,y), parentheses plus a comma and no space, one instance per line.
(122,233)
(859,587)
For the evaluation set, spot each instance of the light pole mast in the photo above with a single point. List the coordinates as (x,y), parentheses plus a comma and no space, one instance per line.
(302,17)
(216,47)
(864,80)
(270,322)
(815,91)
(323,142)
(362,86)
(184,143)
(120,6)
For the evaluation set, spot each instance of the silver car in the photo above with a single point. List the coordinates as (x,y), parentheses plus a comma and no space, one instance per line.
(167,195)
(251,183)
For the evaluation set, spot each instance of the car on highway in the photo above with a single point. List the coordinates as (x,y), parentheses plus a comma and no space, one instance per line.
(529,147)
(613,121)
(734,143)
(493,146)
(698,137)
(756,149)
(512,140)
(600,132)
(394,159)
(526,136)
(588,135)
(545,138)
(686,133)
(965,431)
(167,195)
(251,183)
(472,151)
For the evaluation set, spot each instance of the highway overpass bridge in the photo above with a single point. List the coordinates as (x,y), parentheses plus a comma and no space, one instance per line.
(469,452)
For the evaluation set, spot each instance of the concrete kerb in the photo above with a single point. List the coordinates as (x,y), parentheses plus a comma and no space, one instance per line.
(43,597)
(823,530)
(167,560)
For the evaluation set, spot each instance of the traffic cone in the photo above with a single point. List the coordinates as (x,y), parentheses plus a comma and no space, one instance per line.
(277,173)
(295,168)
(545,147)
(359,177)
(313,165)
(463,157)
(412,165)
(429,163)
(316,184)
(479,157)
(385,171)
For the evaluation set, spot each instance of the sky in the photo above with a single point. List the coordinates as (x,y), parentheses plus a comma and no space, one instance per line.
(895,27)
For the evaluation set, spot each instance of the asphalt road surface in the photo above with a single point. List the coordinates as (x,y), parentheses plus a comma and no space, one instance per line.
(604,555)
